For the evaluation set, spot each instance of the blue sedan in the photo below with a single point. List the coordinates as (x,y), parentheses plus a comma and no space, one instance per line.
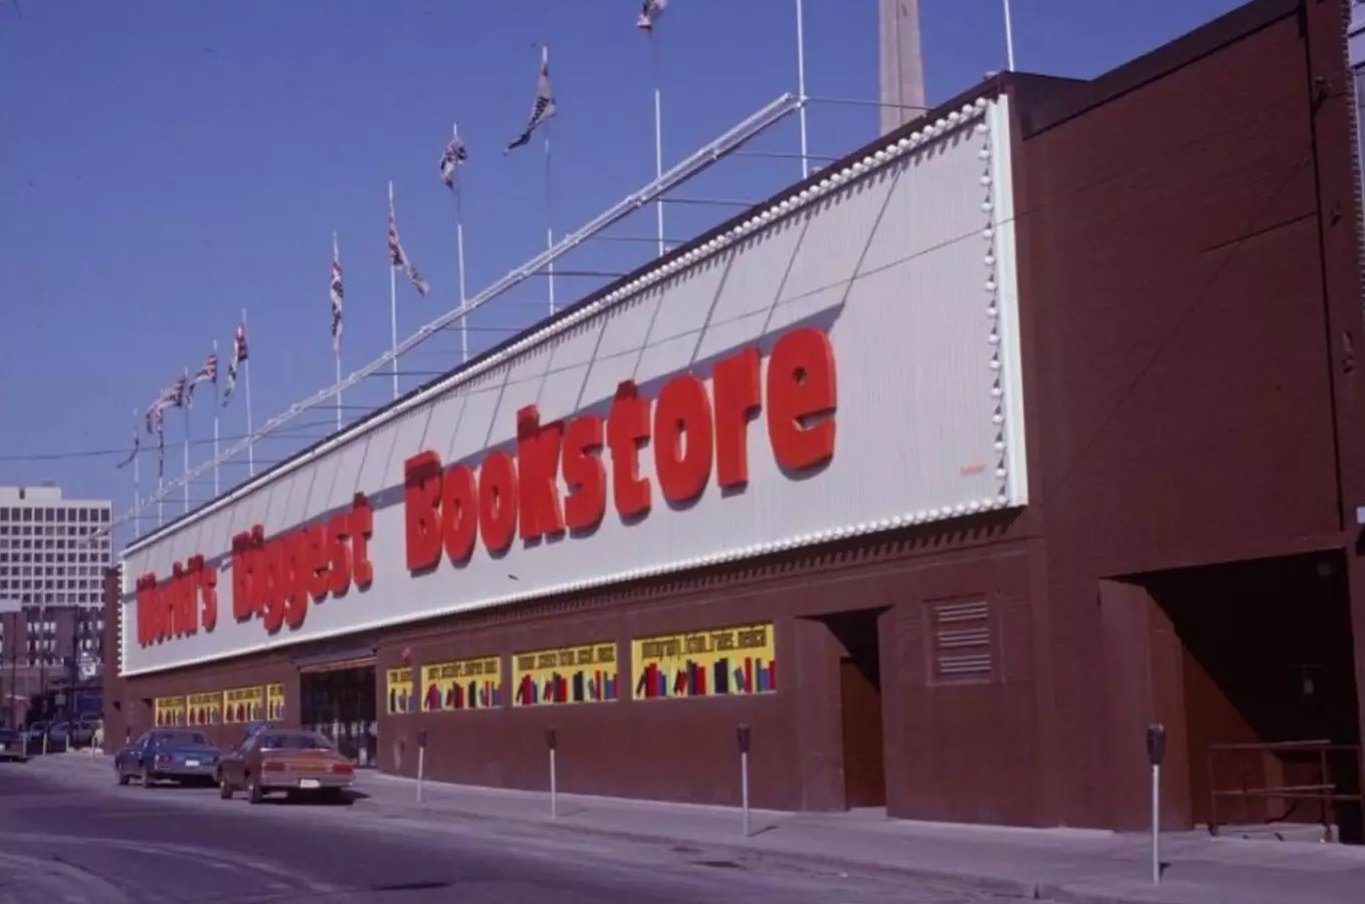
(168,754)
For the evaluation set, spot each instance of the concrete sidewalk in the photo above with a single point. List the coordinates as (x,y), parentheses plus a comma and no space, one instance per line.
(1069,865)
(1065,865)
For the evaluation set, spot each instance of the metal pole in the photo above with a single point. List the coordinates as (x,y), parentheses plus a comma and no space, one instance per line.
(801,83)
(554,788)
(246,380)
(137,475)
(744,788)
(186,448)
(459,255)
(658,139)
(336,344)
(549,220)
(216,407)
(393,306)
(421,769)
(1156,824)
(338,372)
(1009,37)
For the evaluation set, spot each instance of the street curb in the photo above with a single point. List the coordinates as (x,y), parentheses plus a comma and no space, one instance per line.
(1003,887)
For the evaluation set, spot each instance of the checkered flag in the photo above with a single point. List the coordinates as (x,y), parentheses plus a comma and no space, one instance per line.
(544,106)
(338,292)
(451,158)
(650,12)
(239,354)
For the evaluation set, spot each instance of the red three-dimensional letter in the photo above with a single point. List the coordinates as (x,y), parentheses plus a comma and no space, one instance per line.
(421,496)
(801,399)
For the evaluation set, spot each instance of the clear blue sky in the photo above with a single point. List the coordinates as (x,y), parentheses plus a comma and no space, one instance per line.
(164,163)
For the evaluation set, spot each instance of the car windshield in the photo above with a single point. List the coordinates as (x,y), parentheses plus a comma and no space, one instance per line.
(7,735)
(180,739)
(303,740)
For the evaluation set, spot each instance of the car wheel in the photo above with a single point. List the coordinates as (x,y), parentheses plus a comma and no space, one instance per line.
(146,779)
(255,793)
(332,796)
(224,787)
(122,777)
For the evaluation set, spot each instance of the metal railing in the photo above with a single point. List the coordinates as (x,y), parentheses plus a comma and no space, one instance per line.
(1323,791)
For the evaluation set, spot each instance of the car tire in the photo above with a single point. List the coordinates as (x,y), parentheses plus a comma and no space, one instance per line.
(147,779)
(333,796)
(255,793)
(122,777)
(224,787)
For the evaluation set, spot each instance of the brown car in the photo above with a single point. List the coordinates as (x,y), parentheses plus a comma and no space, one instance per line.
(295,762)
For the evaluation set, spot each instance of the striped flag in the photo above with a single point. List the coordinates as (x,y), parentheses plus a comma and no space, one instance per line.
(207,374)
(238,356)
(399,258)
(180,390)
(338,293)
(155,411)
(452,157)
(650,12)
(544,106)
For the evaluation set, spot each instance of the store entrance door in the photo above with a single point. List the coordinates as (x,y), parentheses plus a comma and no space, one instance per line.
(338,702)
(860,704)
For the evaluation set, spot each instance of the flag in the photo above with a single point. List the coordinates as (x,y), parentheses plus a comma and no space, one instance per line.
(137,444)
(207,374)
(451,157)
(154,411)
(650,12)
(338,292)
(544,106)
(238,356)
(399,258)
(180,390)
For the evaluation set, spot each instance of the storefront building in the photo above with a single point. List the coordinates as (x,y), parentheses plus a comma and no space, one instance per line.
(946,471)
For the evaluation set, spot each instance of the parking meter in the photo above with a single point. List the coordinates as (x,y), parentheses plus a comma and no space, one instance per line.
(1156,743)
(742,735)
(550,740)
(1156,752)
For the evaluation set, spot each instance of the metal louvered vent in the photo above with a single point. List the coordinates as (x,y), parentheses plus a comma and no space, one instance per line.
(961,636)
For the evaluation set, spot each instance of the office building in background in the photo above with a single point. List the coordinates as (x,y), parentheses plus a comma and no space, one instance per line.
(52,568)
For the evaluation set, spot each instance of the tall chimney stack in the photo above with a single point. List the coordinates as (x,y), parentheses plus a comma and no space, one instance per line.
(901,64)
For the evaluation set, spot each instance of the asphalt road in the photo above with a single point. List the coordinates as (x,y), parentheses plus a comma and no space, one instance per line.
(72,835)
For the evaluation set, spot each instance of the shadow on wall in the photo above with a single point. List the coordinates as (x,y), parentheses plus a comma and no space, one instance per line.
(1267,656)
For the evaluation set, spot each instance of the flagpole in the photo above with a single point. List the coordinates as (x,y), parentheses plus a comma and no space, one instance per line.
(186,449)
(393,306)
(250,431)
(1009,37)
(801,83)
(549,197)
(658,139)
(137,474)
(160,471)
(216,406)
(459,252)
(336,343)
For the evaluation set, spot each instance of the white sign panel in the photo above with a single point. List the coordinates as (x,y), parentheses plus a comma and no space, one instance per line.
(842,363)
